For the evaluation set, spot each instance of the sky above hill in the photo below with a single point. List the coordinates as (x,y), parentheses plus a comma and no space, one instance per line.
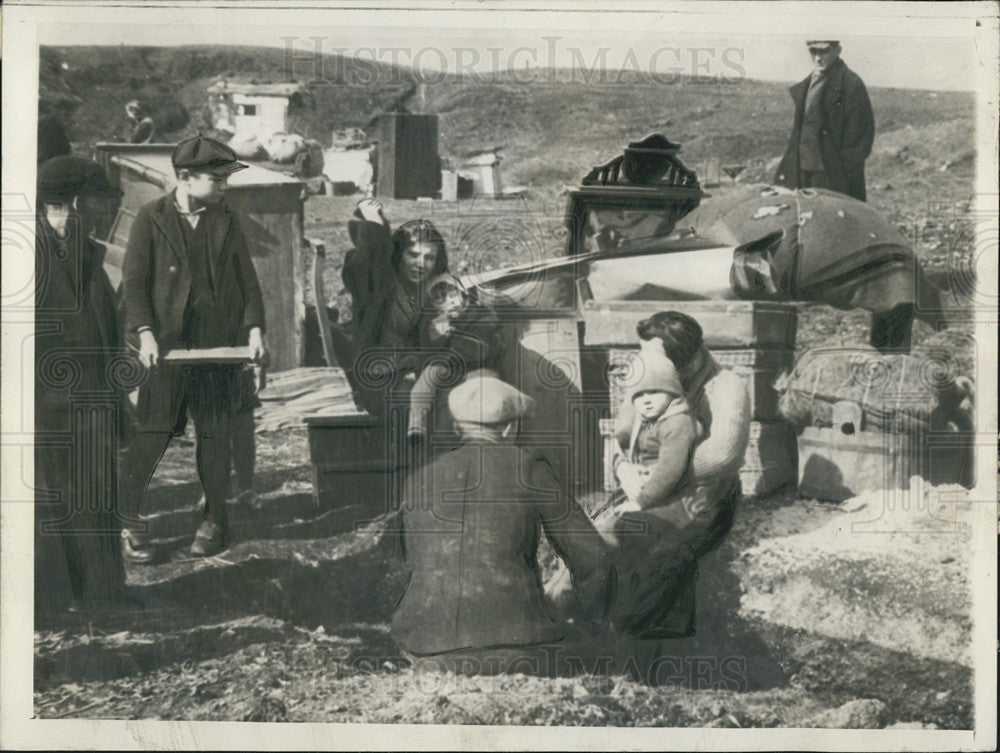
(905,45)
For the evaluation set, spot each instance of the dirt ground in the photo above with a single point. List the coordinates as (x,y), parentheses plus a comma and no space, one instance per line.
(291,624)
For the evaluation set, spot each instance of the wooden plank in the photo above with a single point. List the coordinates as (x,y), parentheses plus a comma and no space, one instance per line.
(114,256)
(122,226)
(408,162)
(271,220)
(237,354)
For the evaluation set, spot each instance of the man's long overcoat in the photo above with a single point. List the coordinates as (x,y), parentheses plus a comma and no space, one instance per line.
(846,138)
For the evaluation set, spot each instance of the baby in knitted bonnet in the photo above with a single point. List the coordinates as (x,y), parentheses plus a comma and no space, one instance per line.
(656,444)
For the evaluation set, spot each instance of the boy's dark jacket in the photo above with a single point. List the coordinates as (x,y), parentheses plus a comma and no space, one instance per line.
(157,275)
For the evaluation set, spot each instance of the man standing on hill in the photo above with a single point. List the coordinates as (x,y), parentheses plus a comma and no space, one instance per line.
(833,129)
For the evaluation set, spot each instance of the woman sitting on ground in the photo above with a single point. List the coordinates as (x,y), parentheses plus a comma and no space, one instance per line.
(660,546)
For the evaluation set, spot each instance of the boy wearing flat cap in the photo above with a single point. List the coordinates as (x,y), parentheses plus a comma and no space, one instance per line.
(188,283)
(470,526)
(833,129)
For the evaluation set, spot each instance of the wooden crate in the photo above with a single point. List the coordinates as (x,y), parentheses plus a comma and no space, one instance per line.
(355,470)
(725,324)
(770,442)
(836,466)
(771,458)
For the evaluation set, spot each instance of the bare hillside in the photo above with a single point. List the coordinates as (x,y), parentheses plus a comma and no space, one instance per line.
(551,131)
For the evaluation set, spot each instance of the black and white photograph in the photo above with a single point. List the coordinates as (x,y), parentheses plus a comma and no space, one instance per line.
(499,376)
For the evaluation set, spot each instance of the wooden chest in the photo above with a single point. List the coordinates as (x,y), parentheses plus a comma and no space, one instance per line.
(771,458)
(836,466)
(356,469)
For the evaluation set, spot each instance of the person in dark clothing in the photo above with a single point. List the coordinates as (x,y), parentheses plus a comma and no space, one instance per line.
(470,526)
(243,438)
(385,274)
(833,130)
(188,283)
(79,399)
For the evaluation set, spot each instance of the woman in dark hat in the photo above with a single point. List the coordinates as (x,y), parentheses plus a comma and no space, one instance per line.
(78,396)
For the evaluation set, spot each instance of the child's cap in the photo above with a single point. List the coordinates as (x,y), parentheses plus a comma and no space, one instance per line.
(202,154)
(658,375)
